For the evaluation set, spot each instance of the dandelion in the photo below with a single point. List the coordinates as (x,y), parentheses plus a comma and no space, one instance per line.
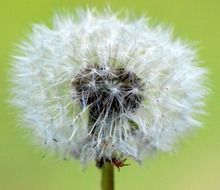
(98,88)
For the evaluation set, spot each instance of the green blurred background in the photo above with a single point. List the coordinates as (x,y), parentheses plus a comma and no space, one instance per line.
(196,163)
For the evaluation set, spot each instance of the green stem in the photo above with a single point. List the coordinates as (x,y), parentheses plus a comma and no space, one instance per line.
(107,182)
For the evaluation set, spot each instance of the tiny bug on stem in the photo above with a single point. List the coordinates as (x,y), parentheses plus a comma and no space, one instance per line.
(119,163)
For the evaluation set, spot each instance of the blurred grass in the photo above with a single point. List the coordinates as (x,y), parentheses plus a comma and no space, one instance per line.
(195,166)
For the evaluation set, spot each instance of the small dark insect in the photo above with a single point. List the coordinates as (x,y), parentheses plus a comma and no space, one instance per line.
(115,162)
(119,163)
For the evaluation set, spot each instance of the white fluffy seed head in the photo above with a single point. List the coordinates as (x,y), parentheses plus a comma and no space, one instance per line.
(96,87)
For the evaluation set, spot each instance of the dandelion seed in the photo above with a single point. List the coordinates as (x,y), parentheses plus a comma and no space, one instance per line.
(96,87)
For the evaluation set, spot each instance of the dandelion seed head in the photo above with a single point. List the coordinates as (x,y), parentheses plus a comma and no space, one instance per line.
(96,87)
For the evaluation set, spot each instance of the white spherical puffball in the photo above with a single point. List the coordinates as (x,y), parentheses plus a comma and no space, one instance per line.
(96,87)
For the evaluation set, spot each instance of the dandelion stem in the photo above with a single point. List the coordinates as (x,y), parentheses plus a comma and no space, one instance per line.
(107,182)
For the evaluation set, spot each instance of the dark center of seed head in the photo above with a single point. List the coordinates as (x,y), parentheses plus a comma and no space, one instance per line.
(108,92)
